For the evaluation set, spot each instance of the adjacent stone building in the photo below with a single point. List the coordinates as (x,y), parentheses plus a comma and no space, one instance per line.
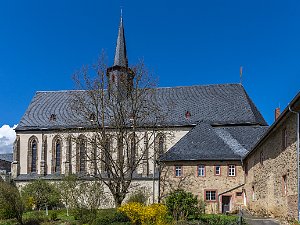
(271,167)
(208,162)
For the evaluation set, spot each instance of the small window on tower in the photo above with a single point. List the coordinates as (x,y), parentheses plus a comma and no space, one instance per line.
(113,78)
(52,117)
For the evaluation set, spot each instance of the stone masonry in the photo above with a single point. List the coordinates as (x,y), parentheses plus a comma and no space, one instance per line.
(223,184)
(271,172)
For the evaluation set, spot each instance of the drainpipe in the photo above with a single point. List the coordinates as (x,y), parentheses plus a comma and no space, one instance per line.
(298,169)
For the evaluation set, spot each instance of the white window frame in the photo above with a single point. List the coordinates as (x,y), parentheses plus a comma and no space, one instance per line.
(218,172)
(201,170)
(231,170)
(210,196)
(178,171)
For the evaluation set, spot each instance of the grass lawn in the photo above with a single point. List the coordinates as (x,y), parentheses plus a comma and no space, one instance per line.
(106,217)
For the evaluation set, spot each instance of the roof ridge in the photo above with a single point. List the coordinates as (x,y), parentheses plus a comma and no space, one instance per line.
(202,85)
(194,85)
(59,91)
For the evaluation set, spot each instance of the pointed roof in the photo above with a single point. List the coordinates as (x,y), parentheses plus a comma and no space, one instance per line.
(121,54)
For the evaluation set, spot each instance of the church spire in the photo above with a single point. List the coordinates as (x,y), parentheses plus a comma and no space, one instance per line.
(121,54)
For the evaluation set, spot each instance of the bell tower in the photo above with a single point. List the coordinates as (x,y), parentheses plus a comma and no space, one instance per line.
(120,76)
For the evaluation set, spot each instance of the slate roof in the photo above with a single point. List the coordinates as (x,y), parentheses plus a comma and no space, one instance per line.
(121,53)
(220,104)
(6,157)
(205,142)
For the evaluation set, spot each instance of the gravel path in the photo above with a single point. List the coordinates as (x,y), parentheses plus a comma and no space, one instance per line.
(260,221)
(252,220)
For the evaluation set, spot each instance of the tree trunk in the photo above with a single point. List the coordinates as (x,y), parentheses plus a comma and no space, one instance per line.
(118,201)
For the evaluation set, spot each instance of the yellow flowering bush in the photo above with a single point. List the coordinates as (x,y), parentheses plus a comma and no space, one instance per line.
(140,214)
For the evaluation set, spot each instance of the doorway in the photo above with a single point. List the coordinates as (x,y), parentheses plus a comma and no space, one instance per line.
(226,204)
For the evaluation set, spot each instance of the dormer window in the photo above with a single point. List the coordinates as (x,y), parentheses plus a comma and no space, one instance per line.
(92,117)
(187,115)
(52,117)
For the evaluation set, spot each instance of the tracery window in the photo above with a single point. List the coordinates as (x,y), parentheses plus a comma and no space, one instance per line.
(33,156)
(82,152)
(132,151)
(160,145)
(161,142)
(146,155)
(69,154)
(106,156)
(57,167)
(81,155)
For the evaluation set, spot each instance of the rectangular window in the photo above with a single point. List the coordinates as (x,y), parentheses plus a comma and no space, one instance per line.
(231,170)
(217,170)
(284,185)
(201,171)
(178,171)
(239,194)
(210,195)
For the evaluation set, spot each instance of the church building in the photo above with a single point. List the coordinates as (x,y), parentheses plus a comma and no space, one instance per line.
(205,135)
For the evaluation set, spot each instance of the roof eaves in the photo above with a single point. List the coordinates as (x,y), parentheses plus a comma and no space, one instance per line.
(275,124)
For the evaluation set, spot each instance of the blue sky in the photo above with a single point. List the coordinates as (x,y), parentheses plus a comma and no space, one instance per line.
(42,43)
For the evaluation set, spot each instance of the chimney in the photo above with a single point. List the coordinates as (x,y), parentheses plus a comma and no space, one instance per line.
(277,113)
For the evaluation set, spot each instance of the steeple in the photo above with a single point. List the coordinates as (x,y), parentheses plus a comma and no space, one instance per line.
(121,54)
(120,75)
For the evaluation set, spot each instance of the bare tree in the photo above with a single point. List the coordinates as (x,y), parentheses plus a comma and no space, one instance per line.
(119,114)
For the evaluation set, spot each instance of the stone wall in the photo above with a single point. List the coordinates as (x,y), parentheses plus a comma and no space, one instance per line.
(269,167)
(148,187)
(223,184)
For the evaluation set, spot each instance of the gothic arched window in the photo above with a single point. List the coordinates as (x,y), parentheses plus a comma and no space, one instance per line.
(105,164)
(161,144)
(33,155)
(69,156)
(132,151)
(57,168)
(81,155)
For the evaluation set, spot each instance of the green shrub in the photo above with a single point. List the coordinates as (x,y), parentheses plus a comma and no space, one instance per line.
(8,222)
(84,215)
(138,196)
(213,219)
(40,193)
(120,223)
(110,216)
(11,205)
(183,205)
(35,218)
(53,215)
